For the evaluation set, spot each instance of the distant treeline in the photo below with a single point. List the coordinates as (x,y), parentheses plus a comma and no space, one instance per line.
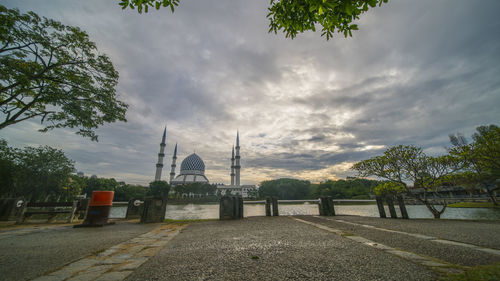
(293,189)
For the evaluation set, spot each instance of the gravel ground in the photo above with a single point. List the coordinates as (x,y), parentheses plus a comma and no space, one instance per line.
(29,255)
(450,253)
(480,232)
(272,248)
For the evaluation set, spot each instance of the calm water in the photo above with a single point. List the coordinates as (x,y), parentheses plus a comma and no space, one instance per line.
(211,211)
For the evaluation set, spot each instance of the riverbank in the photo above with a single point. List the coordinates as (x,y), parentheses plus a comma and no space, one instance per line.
(474,205)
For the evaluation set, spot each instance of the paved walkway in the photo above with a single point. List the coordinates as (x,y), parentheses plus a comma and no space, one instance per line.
(28,252)
(266,248)
(273,248)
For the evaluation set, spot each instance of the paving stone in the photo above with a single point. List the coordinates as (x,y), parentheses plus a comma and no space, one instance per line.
(359,239)
(433,263)
(49,278)
(407,255)
(133,263)
(72,268)
(108,252)
(112,260)
(487,250)
(114,276)
(148,252)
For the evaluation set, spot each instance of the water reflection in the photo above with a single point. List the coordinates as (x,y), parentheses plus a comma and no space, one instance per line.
(211,211)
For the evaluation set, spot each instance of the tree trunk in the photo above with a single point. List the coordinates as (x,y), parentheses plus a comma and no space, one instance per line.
(435,212)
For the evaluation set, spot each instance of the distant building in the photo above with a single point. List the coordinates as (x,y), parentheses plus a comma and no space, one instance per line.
(192,170)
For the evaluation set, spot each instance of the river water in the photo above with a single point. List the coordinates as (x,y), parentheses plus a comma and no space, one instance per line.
(211,211)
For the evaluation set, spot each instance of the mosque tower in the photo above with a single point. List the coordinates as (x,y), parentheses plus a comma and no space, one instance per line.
(172,170)
(237,158)
(232,167)
(159,165)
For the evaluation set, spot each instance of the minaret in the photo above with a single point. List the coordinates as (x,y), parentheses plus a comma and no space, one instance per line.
(237,158)
(159,165)
(172,170)
(232,167)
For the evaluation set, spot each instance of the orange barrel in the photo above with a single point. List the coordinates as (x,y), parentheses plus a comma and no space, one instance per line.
(99,209)
(102,198)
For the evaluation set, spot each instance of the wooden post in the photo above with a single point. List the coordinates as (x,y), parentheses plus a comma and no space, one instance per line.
(268,206)
(240,206)
(20,215)
(275,206)
(226,208)
(380,205)
(73,211)
(320,206)
(331,206)
(390,204)
(402,207)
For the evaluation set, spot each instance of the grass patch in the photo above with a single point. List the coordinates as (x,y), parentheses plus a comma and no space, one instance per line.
(345,234)
(255,257)
(480,273)
(473,205)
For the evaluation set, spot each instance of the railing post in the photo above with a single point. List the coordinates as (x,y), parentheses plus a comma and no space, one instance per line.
(275,206)
(402,207)
(268,206)
(326,207)
(134,208)
(380,205)
(226,208)
(390,204)
(331,206)
(320,206)
(154,209)
(237,207)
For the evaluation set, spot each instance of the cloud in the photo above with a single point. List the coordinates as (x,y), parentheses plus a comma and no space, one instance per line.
(306,108)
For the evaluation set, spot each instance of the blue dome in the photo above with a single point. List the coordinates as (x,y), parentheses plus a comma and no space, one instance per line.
(192,165)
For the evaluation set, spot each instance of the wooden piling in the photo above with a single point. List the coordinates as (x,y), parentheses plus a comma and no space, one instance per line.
(268,206)
(275,206)
(380,205)
(402,207)
(390,204)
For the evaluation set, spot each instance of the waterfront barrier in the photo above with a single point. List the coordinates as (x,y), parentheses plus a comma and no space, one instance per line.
(326,207)
(389,199)
(10,208)
(153,210)
(135,206)
(231,207)
(51,209)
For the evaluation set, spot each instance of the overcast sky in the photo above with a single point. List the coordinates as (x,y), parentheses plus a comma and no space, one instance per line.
(306,108)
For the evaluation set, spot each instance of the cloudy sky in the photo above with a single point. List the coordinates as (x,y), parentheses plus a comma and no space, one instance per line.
(306,108)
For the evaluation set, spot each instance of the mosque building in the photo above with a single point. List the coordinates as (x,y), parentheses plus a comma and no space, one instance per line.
(192,170)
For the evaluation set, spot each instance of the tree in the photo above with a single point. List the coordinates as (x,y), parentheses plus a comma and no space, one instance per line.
(402,165)
(7,169)
(389,188)
(294,16)
(285,188)
(482,158)
(159,188)
(97,184)
(54,72)
(37,174)
(352,188)
(125,192)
